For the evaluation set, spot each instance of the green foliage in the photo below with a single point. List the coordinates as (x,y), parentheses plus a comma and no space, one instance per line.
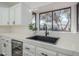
(32,28)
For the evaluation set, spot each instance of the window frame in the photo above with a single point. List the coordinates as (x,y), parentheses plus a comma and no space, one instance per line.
(52,17)
(33,13)
(77,16)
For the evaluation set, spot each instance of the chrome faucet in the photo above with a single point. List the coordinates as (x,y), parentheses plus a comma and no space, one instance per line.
(46,32)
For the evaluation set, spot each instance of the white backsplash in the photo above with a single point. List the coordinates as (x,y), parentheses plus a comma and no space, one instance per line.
(22,29)
(5,29)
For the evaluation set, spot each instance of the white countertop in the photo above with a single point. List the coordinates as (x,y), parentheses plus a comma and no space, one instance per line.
(62,43)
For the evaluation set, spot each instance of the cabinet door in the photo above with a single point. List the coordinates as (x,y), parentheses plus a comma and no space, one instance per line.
(5,16)
(17,14)
(28,54)
(0,16)
(12,19)
(61,54)
(44,52)
(6,47)
(28,50)
(0,46)
(3,45)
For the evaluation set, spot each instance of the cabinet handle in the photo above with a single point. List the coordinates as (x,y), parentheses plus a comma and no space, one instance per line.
(4,45)
(6,40)
(27,48)
(44,54)
(13,22)
(8,22)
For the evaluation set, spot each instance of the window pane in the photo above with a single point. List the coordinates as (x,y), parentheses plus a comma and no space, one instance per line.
(34,20)
(46,18)
(61,20)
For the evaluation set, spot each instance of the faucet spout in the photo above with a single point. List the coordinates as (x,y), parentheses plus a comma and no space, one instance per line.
(46,32)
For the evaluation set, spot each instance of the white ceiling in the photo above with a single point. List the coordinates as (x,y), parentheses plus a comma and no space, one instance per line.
(7,4)
(30,4)
(54,6)
(37,4)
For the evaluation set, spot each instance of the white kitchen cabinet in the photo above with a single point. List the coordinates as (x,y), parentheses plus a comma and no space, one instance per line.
(6,47)
(28,50)
(12,19)
(0,46)
(44,52)
(61,54)
(4,16)
(28,54)
(20,15)
(15,14)
(31,49)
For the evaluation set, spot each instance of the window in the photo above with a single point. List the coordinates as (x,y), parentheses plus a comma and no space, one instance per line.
(61,20)
(34,20)
(57,20)
(46,18)
(78,17)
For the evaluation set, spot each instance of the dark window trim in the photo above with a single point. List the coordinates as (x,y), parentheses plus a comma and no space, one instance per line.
(33,13)
(77,17)
(55,10)
(52,17)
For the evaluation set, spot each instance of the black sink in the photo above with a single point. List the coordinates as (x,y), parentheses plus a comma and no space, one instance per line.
(47,39)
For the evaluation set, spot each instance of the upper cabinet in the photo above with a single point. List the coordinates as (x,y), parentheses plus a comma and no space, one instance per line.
(12,19)
(4,16)
(20,15)
(15,14)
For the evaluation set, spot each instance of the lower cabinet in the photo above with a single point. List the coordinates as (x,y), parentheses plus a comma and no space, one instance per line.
(31,50)
(45,52)
(28,54)
(61,54)
(5,47)
(0,46)
(28,50)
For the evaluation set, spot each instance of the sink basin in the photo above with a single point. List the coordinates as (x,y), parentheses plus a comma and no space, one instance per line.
(47,39)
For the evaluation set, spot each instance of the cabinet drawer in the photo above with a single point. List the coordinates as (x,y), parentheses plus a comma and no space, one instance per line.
(60,54)
(28,48)
(28,54)
(44,52)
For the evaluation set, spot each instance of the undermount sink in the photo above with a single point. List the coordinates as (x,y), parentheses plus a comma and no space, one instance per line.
(52,40)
